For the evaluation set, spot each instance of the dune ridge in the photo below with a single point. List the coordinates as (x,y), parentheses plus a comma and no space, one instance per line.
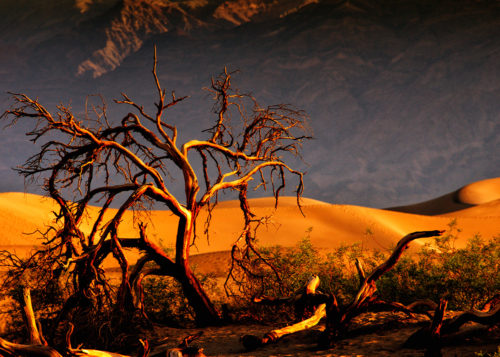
(473,194)
(327,225)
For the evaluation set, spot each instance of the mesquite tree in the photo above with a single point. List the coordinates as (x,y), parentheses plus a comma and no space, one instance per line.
(130,162)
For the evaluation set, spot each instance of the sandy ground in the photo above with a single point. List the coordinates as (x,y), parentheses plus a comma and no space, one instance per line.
(331,225)
(327,225)
(475,208)
(384,335)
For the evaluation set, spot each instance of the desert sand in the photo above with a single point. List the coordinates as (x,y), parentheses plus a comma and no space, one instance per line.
(475,208)
(383,336)
(328,225)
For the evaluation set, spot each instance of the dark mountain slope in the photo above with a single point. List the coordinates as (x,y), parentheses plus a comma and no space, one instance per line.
(403,95)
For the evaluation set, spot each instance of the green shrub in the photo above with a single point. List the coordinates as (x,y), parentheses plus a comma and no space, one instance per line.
(466,276)
(164,301)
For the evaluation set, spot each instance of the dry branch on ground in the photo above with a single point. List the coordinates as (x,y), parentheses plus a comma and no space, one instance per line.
(338,317)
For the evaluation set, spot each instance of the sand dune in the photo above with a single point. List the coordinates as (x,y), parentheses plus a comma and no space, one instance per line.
(328,225)
(476,193)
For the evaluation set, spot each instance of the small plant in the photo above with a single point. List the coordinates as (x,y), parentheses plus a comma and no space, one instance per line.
(164,302)
(466,276)
(493,354)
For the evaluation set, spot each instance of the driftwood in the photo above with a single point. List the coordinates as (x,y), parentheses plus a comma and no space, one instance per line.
(10,349)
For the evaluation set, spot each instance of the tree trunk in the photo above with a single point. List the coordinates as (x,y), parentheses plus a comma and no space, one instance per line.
(434,347)
(205,312)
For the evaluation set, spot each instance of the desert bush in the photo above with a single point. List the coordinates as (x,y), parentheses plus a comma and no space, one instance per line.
(165,303)
(493,354)
(466,276)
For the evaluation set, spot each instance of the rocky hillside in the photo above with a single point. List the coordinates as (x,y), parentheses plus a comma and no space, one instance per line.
(403,95)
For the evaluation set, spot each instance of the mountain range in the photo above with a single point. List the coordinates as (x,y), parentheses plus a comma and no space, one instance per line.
(403,96)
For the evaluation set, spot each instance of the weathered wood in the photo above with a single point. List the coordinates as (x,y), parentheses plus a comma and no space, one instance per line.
(491,304)
(491,318)
(378,305)
(251,342)
(361,271)
(35,337)
(338,320)
(10,349)
(451,326)
(434,344)
(95,353)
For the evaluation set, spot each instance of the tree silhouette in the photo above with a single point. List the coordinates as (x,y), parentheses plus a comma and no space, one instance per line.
(129,163)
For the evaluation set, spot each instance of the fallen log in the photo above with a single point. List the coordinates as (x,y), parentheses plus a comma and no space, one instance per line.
(450,328)
(378,305)
(252,342)
(337,317)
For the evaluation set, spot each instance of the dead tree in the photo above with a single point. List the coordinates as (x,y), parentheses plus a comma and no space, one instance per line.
(129,163)
(338,317)
(431,337)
